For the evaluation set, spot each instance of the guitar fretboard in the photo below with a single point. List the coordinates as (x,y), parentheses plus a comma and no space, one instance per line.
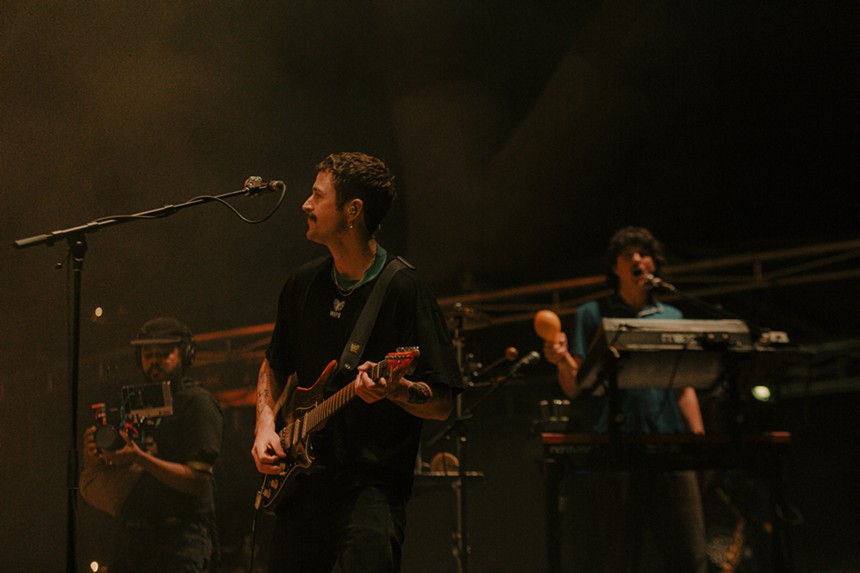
(338,400)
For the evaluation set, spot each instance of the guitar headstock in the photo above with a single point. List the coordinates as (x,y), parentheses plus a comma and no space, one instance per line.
(402,358)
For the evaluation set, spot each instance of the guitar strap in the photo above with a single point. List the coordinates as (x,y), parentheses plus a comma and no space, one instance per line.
(367,319)
(361,331)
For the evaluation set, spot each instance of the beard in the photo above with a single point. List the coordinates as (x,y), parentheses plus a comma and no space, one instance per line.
(157,374)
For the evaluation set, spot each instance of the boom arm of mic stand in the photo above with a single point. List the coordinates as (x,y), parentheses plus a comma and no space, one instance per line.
(93,226)
(711,309)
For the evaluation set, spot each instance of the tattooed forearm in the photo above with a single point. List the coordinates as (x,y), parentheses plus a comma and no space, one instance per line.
(263,398)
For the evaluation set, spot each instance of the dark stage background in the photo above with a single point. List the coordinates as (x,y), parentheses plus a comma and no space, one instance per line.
(522,133)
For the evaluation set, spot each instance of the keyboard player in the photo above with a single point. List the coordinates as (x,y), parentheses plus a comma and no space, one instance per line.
(624,505)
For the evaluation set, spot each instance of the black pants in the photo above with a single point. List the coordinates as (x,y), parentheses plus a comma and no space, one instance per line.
(361,531)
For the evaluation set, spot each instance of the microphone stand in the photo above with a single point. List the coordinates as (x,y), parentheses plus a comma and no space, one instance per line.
(659,284)
(457,427)
(461,548)
(779,545)
(77,245)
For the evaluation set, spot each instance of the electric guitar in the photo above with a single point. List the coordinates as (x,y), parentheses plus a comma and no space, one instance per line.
(307,412)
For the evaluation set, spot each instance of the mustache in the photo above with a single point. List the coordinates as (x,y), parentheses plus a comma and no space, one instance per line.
(167,372)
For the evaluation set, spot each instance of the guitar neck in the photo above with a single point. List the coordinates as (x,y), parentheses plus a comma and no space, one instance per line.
(338,400)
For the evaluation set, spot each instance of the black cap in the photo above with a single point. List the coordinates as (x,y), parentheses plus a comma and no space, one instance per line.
(162,330)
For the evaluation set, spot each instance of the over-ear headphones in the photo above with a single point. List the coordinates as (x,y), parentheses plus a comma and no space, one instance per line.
(162,330)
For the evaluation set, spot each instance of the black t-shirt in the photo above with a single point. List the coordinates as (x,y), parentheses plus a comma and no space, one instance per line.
(192,433)
(362,443)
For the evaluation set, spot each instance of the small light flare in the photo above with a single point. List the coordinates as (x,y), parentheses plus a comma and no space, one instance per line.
(761,393)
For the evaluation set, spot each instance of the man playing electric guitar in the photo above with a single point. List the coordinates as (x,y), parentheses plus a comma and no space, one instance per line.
(306,412)
(350,507)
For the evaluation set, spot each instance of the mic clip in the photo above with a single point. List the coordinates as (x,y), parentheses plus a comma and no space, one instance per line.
(254,185)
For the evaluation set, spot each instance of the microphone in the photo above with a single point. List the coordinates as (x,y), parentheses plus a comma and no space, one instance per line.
(532,357)
(510,355)
(254,185)
(659,284)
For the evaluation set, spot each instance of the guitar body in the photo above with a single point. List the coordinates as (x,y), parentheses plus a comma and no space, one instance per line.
(307,410)
(296,443)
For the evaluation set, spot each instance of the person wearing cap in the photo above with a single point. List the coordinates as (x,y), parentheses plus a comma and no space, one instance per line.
(168,518)
(349,508)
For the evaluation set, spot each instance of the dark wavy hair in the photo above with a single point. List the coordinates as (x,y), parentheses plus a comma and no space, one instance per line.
(625,238)
(361,176)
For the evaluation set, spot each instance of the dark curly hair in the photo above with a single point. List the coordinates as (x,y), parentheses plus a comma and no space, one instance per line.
(625,238)
(361,176)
